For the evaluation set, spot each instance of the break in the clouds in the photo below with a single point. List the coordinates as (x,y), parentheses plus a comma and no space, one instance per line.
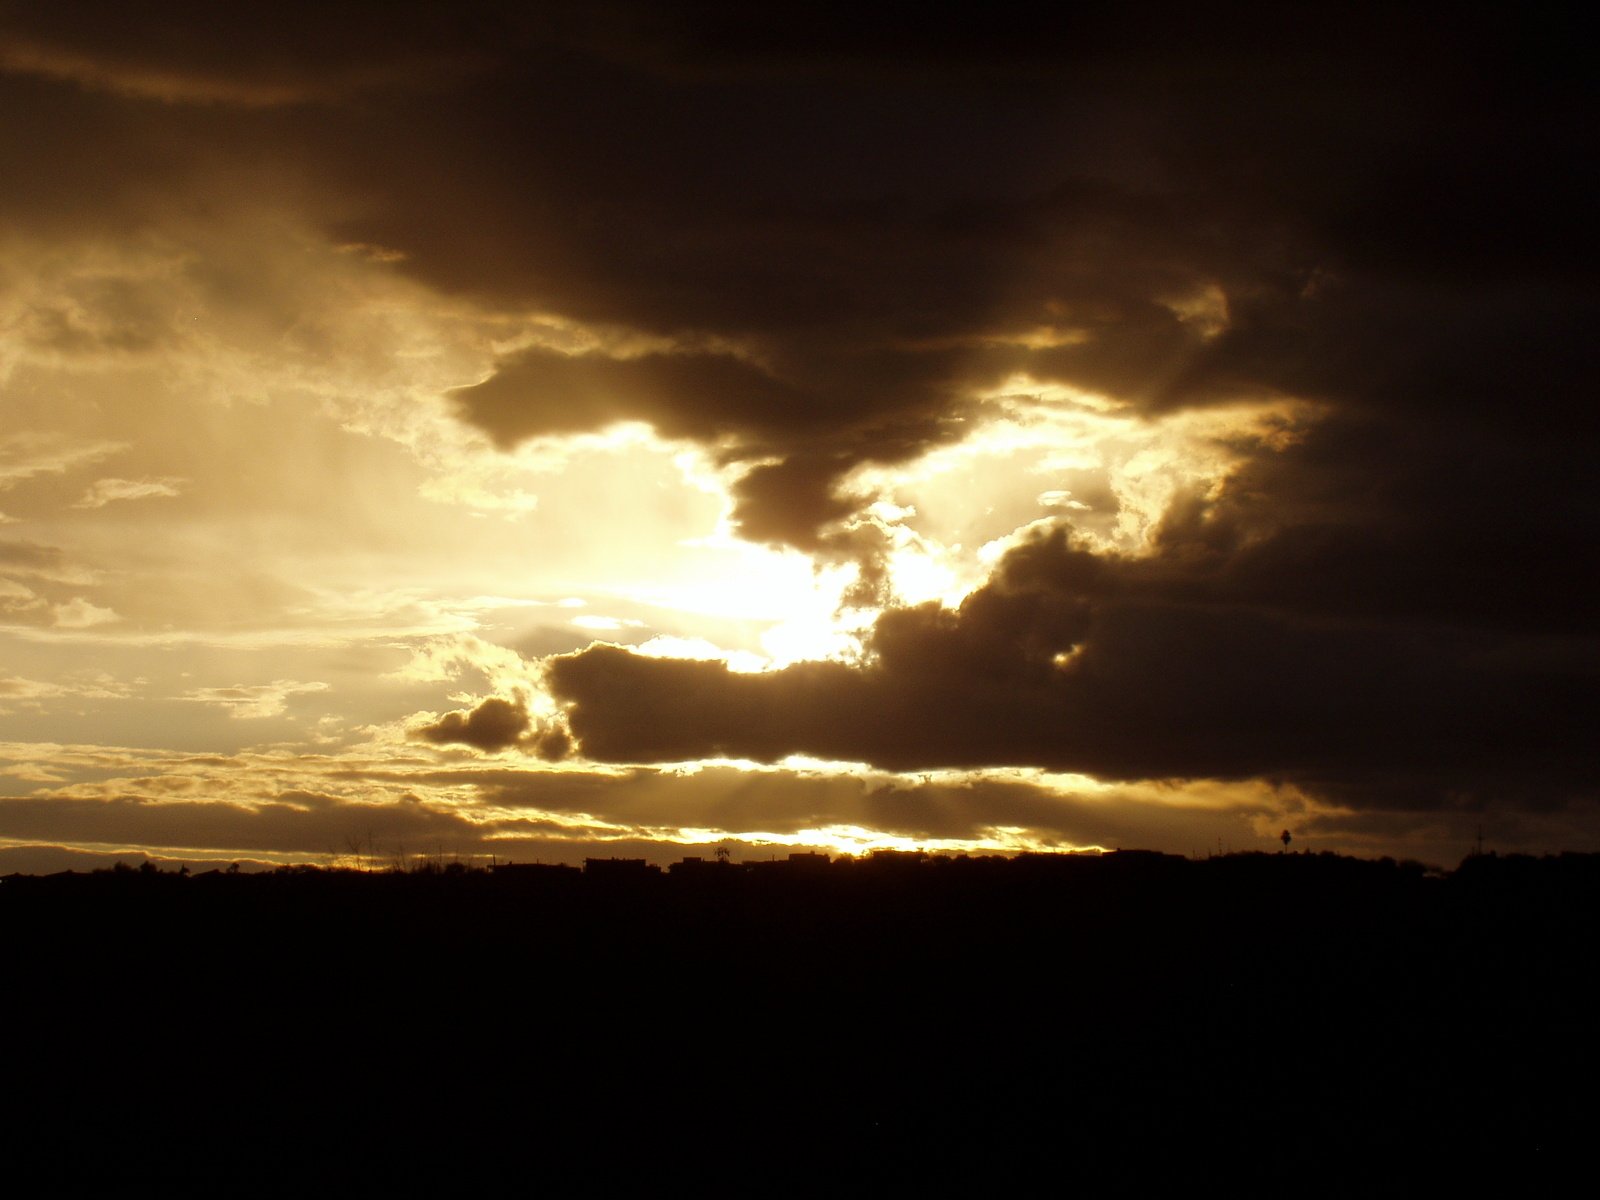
(1148,395)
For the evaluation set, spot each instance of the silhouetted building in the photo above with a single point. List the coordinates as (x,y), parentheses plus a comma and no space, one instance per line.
(521,871)
(619,868)
(696,868)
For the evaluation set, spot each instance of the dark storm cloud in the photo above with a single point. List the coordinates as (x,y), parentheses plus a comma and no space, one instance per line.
(871,240)
(1129,669)
(186,52)
(859,204)
(1385,208)
(540,392)
(786,501)
(493,726)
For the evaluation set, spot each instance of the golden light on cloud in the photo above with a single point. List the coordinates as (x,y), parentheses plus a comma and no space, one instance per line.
(699,649)
(798,603)
(856,840)
(1039,455)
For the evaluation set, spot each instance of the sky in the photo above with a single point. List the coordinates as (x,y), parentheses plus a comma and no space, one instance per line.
(544,432)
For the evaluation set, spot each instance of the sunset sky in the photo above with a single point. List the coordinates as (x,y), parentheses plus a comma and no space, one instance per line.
(548,431)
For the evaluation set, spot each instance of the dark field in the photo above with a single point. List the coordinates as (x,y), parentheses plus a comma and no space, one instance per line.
(951,1022)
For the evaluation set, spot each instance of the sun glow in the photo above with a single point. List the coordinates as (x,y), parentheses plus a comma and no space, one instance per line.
(801,604)
(1044,456)
(857,840)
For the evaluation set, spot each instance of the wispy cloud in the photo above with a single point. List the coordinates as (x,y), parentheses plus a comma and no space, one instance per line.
(253,701)
(26,455)
(104,491)
(20,691)
(79,613)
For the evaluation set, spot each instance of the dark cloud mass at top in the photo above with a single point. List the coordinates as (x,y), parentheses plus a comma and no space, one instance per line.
(837,228)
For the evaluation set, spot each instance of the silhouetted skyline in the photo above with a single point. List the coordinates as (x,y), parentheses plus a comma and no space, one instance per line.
(1044,1019)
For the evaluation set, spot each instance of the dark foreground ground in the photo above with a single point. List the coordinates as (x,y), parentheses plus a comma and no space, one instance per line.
(1291,1023)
